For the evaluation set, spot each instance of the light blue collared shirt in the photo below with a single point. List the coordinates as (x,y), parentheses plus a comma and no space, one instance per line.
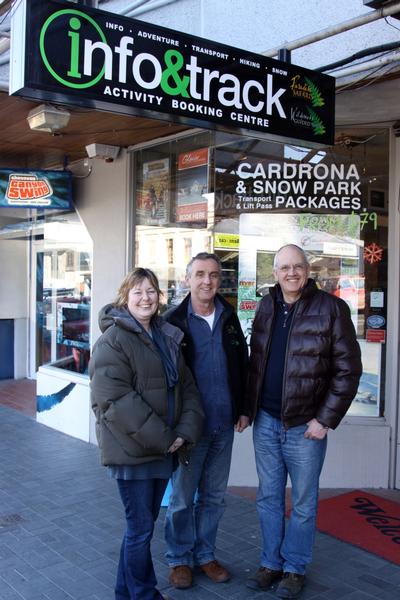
(210,370)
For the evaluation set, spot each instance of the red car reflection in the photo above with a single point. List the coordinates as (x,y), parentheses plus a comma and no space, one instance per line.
(351,289)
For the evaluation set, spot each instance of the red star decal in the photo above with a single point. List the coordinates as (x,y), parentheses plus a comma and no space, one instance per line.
(373,253)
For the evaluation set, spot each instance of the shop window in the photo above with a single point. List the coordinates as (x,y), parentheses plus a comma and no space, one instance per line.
(333,204)
(170,251)
(187,242)
(172,187)
(63,294)
(244,198)
(69,261)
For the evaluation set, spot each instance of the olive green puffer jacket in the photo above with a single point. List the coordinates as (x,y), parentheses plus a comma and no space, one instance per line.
(129,392)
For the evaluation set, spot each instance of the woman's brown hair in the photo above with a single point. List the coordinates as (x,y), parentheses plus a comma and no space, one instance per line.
(133,278)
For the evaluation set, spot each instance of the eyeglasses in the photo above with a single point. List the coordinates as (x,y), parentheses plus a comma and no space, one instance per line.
(296,268)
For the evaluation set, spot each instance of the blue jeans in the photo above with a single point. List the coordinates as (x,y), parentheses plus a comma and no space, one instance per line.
(279,453)
(136,579)
(192,519)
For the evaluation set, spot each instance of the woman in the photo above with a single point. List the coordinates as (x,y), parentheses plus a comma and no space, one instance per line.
(147,409)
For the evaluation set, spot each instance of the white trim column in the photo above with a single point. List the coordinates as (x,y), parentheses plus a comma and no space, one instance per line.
(392,412)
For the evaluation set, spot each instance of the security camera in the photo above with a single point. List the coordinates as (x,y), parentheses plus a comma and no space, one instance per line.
(104,151)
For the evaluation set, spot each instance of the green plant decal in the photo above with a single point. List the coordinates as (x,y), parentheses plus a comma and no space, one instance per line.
(316,123)
(316,98)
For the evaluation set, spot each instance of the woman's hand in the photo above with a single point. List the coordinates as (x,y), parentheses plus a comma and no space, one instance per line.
(176,445)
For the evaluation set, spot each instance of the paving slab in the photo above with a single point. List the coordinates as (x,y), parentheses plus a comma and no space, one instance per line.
(61,524)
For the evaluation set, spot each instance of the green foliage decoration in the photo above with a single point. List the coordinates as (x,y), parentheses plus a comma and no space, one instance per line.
(316,123)
(316,98)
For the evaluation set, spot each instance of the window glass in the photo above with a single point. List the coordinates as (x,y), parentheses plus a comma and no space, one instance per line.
(244,198)
(63,294)
(173,213)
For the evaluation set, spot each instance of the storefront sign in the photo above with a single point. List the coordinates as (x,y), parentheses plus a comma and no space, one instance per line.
(376,321)
(192,184)
(376,335)
(226,240)
(377,299)
(35,189)
(298,186)
(88,57)
(248,305)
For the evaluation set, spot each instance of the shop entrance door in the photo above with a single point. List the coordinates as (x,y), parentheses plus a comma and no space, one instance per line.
(61,296)
(7,348)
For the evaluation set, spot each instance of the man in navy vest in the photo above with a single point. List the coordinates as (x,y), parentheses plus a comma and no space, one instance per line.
(216,352)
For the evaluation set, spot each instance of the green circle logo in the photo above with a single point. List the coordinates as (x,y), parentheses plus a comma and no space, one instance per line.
(75,24)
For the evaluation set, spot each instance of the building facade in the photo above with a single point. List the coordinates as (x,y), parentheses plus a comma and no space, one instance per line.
(174,190)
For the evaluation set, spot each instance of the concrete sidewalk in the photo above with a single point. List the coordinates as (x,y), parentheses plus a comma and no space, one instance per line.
(61,522)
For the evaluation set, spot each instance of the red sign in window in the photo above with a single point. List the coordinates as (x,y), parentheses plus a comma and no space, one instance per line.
(376,335)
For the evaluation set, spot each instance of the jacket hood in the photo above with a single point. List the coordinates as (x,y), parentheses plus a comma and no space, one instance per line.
(111,315)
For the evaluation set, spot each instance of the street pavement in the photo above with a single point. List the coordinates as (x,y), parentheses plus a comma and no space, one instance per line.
(61,523)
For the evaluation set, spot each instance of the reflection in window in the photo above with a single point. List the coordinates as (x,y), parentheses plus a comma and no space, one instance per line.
(170,251)
(63,276)
(172,210)
(332,202)
(188,249)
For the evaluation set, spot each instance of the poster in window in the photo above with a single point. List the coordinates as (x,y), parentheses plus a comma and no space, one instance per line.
(153,199)
(192,185)
(73,322)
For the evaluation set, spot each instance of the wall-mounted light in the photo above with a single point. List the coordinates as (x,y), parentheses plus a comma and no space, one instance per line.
(48,118)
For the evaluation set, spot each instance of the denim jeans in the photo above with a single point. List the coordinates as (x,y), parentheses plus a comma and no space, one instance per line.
(136,579)
(279,453)
(192,519)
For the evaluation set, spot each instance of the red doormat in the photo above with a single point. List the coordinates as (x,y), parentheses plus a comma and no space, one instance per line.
(364,520)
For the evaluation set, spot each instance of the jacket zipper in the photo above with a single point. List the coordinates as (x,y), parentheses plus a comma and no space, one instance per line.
(295,309)
(265,360)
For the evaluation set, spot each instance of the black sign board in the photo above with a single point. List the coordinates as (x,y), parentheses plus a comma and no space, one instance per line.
(82,56)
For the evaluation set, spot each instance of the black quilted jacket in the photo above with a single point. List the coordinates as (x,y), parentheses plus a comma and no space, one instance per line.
(233,342)
(323,362)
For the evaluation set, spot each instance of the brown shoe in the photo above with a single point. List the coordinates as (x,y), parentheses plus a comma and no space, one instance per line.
(215,571)
(181,577)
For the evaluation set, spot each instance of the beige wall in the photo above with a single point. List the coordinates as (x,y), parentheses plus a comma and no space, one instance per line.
(14,297)
(13,279)
(102,202)
(356,457)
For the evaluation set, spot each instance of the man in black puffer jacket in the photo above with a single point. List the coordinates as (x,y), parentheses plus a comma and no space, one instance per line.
(304,372)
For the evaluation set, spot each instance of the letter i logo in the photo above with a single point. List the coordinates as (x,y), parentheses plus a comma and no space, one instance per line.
(74,23)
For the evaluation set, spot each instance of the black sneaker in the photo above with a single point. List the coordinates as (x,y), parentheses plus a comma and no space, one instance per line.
(263,578)
(290,586)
